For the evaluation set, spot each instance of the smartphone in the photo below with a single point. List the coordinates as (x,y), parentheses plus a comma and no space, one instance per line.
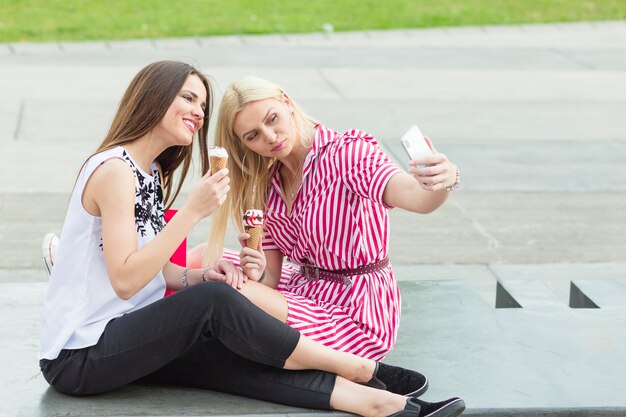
(414,144)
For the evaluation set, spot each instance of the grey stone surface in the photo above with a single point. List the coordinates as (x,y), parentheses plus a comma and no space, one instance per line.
(10,117)
(533,115)
(497,359)
(35,48)
(42,124)
(518,358)
(475,121)
(554,166)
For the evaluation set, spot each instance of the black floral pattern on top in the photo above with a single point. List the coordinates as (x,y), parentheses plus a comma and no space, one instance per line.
(149,210)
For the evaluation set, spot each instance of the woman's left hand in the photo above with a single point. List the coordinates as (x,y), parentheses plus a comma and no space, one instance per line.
(252,261)
(438,173)
(233,275)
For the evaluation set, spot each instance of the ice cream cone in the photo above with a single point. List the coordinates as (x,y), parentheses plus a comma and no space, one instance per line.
(253,225)
(217,163)
(255,236)
(218,157)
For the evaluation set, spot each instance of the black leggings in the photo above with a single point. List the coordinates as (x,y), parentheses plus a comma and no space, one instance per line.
(207,336)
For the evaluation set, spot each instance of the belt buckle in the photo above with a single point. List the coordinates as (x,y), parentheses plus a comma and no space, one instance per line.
(311,272)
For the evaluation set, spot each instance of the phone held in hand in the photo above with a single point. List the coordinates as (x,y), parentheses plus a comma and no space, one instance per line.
(415,145)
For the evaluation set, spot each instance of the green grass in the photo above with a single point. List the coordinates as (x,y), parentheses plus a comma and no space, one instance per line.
(51,20)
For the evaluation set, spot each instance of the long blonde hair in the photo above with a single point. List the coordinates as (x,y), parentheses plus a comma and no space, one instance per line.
(249,171)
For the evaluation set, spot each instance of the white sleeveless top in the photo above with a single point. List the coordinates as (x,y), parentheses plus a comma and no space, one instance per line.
(80,300)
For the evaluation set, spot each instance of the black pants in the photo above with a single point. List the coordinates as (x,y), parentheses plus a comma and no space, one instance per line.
(207,336)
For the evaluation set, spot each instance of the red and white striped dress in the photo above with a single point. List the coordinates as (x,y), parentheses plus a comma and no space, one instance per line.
(338,221)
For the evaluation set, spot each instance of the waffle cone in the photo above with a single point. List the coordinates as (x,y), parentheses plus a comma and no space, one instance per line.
(216,163)
(255,236)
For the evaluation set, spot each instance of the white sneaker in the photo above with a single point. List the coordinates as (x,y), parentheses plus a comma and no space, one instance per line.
(49,250)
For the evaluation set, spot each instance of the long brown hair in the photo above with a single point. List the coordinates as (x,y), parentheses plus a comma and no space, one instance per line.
(145,102)
(249,172)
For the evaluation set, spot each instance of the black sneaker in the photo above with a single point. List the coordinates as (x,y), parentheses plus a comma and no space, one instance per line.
(398,380)
(417,408)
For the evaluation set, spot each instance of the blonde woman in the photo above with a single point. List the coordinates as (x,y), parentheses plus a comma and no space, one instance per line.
(326,197)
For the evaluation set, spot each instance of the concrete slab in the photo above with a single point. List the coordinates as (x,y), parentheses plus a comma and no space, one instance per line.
(61,120)
(6,49)
(485,85)
(568,36)
(524,166)
(21,48)
(220,40)
(480,278)
(277,39)
(513,228)
(10,120)
(601,35)
(61,81)
(603,292)
(135,44)
(176,44)
(316,86)
(531,294)
(546,228)
(317,39)
(517,357)
(558,277)
(23,275)
(32,168)
(84,47)
(609,60)
(477,121)
(562,271)
(514,358)
(293,53)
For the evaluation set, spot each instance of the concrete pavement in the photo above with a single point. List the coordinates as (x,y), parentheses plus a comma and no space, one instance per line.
(533,115)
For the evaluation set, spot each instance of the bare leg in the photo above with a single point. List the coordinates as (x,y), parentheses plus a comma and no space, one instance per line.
(266,298)
(364,401)
(309,354)
(195,256)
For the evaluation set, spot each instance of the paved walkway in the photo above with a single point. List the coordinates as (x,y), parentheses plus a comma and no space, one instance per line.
(534,116)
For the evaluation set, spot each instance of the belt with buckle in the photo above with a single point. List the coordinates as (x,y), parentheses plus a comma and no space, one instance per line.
(341,276)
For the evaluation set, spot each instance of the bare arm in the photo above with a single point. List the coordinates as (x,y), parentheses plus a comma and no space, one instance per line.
(110,193)
(173,275)
(273,268)
(424,189)
(222,271)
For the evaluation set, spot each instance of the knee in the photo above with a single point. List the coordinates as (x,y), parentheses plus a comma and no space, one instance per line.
(219,292)
(219,300)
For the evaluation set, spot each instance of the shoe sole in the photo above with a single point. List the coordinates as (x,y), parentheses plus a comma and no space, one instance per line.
(418,391)
(46,254)
(453,409)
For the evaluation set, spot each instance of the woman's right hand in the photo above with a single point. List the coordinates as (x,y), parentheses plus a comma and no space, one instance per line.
(252,261)
(208,194)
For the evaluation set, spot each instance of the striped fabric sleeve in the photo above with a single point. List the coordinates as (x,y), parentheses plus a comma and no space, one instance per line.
(268,242)
(365,167)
